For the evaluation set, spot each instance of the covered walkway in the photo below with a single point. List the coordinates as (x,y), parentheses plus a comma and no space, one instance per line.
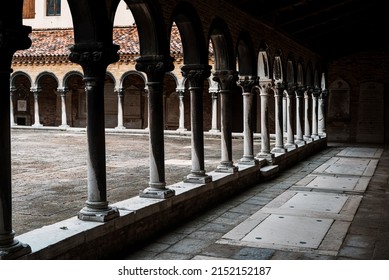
(332,205)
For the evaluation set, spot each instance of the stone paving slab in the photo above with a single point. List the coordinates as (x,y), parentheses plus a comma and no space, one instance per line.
(362,152)
(348,166)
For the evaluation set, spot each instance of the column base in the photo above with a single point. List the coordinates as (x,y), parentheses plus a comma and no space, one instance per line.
(278,150)
(308,139)
(64,126)
(300,142)
(120,127)
(181,129)
(248,161)
(99,212)
(37,125)
(290,146)
(227,168)
(315,137)
(198,179)
(269,157)
(214,131)
(156,193)
(14,250)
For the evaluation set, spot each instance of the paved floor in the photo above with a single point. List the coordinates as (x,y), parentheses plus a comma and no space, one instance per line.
(334,205)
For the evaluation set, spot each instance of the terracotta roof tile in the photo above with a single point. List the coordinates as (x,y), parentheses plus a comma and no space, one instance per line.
(56,42)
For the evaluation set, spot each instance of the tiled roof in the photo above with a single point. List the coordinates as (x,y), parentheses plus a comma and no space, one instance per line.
(56,42)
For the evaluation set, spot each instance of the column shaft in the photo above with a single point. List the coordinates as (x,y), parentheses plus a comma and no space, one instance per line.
(226,80)
(315,134)
(278,95)
(120,93)
(37,122)
(155,68)
(290,97)
(265,86)
(307,116)
(299,116)
(62,93)
(181,107)
(214,111)
(11,106)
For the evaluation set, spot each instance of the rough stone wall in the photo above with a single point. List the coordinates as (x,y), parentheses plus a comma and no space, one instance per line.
(357,71)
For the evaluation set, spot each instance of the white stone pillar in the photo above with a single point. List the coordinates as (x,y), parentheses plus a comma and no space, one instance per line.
(11,106)
(290,96)
(284,113)
(214,90)
(278,95)
(120,93)
(307,123)
(315,95)
(299,114)
(247,83)
(265,86)
(36,92)
(181,106)
(64,122)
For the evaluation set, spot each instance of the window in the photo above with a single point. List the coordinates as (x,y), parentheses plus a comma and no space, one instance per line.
(28,9)
(53,7)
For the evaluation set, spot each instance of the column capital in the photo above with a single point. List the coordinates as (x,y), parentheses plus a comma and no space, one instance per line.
(300,90)
(36,90)
(196,73)
(94,57)
(119,91)
(226,79)
(62,91)
(247,83)
(155,66)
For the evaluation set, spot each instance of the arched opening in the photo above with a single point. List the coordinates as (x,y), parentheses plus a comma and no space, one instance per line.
(48,100)
(23,106)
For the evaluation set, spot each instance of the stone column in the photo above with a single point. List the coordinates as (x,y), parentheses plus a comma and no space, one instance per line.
(315,96)
(284,113)
(299,115)
(64,121)
(247,83)
(94,59)
(278,95)
(120,93)
(196,74)
(322,113)
(226,80)
(307,124)
(11,106)
(37,122)
(146,105)
(290,97)
(155,68)
(265,87)
(214,92)
(11,41)
(181,121)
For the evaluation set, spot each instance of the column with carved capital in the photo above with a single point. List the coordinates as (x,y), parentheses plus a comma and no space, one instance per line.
(214,95)
(11,106)
(315,97)
(36,92)
(226,79)
(181,121)
(94,59)
(307,106)
(120,93)
(64,122)
(278,115)
(11,40)
(265,86)
(247,84)
(299,115)
(290,97)
(155,68)
(196,74)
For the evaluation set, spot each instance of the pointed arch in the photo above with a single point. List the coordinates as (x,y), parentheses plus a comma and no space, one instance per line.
(263,62)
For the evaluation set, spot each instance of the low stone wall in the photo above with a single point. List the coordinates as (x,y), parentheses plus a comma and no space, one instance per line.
(143,218)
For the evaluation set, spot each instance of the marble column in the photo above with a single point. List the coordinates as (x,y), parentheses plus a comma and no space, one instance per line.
(322,108)
(284,113)
(11,40)
(227,80)
(181,106)
(247,84)
(64,121)
(37,122)
(307,115)
(155,68)
(299,115)
(315,96)
(290,98)
(278,96)
(120,93)
(214,90)
(94,60)
(11,106)
(265,86)
(196,74)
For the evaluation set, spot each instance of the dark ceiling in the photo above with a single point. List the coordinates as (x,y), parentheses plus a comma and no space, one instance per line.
(332,28)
